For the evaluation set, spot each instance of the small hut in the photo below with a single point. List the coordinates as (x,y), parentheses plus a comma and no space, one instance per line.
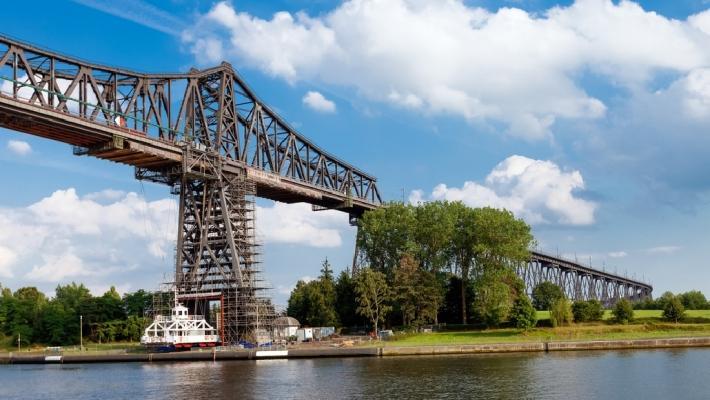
(285,327)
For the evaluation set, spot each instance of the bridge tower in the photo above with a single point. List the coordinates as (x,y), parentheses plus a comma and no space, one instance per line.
(217,258)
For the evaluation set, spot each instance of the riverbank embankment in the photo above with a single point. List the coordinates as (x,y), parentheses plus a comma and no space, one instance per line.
(387,351)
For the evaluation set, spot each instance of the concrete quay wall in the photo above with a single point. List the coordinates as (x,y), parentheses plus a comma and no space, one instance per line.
(386,351)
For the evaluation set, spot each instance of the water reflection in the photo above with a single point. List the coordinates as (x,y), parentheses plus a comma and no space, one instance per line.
(652,374)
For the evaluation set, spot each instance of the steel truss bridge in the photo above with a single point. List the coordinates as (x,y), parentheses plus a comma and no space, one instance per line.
(580,282)
(207,135)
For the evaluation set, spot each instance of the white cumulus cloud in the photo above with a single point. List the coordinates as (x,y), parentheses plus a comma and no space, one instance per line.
(536,190)
(119,238)
(65,237)
(299,224)
(317,102)
(19,147)
(446,57)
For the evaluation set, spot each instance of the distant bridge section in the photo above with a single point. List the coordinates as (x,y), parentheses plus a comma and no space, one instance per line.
(580,282)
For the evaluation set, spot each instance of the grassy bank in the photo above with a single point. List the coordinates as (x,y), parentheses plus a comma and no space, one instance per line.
(577,332)
(647,324)
(6,345)
(644,315)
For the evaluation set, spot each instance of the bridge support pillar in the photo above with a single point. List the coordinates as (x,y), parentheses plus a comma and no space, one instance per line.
(216,253)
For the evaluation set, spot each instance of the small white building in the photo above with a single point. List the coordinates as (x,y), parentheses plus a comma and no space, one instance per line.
(304,334)
(285,327)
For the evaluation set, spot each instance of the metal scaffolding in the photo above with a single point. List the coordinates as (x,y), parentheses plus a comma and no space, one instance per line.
(217,266)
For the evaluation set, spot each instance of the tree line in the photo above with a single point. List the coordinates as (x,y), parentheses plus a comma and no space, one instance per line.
(446,262)
(435,262)
(29,315)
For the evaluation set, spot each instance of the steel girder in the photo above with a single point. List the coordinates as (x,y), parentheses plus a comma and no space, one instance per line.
(212,108)
(581,282)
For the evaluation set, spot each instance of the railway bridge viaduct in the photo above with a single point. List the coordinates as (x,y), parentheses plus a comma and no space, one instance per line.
(207,136)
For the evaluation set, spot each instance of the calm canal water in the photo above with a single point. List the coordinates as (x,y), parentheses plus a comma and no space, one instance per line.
(647,375)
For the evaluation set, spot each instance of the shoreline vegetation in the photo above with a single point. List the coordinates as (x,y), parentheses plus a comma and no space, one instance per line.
(360,351)
(648,324)
(439,273)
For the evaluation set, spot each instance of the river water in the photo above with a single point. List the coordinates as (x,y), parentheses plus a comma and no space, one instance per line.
(640,374)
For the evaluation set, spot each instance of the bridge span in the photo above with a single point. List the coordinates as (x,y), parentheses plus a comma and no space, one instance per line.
(208,136)
(205,134)
(581,282)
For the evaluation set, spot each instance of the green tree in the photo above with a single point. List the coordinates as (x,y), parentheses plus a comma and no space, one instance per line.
(623,312)
(545,294)
(417,292)
(54,324)
(134,327)
(462,249)
(71,296)
(561,312)
(326,272)
(136,303)
(346,301)
(5,303)
(313,303)
(586,311)
(663,300)
(523,314)
(112,305)
(25,313)
(693,300)
(500,242)
(373,296)
(385,235)
(468,241)
(325,291)
(674,310)
(309,305)
(451,307)
(492,301)
(433,231)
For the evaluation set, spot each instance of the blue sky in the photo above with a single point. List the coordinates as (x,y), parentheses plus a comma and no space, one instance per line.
(589,119)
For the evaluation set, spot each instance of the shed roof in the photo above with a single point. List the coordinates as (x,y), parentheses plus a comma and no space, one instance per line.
(286,321)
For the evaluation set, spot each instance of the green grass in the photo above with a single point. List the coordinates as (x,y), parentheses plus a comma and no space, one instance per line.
(6,345)
(642,314)
(567,333)
(647,324)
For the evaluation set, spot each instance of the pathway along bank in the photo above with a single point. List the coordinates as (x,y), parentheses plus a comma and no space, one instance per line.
(388,351)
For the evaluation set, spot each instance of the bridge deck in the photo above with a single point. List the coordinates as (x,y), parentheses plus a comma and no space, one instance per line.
(573,265)
(139,150)
(84,104)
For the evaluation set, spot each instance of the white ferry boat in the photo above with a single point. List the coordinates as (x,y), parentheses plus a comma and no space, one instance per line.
(179,331)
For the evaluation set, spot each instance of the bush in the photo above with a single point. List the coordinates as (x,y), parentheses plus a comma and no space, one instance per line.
(674,310)
(523,314)
(586,311)
(623,312)
(646,304)
(545,294)
(561,312)
(693,300)
(663,300)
